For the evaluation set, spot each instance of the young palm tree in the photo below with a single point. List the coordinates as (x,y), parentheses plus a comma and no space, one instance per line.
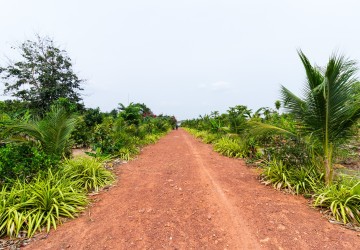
(52,132)
(327,110)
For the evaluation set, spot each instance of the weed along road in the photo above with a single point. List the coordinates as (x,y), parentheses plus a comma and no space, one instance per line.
(179,194)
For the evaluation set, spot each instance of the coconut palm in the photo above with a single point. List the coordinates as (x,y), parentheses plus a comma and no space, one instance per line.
(327,111)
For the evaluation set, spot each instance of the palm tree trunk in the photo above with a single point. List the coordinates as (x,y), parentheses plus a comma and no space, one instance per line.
(327,145)
(329,171)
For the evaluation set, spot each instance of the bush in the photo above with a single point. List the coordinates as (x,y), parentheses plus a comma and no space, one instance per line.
(23,161)
(290,151)
(81,135)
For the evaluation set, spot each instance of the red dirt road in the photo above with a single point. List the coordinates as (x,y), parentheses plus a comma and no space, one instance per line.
(179,194)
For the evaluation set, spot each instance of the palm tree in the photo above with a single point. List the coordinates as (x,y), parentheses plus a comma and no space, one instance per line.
(52,132)
(327,111)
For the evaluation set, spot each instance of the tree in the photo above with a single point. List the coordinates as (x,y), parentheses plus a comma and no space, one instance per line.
(42,76)
(277,104)
(134,112)
(237,117)
(327,112)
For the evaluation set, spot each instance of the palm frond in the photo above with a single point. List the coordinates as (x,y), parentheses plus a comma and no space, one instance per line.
(52,132)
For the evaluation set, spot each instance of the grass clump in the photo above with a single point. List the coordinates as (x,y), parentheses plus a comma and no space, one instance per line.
(88,173)
(28,207)
(341,199)
(229,147)
(298,180)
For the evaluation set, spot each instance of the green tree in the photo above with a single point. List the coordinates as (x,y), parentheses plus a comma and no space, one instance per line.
(134,112)
(13,108)
(277,104)
(327,111)
(237,118)
(43,75)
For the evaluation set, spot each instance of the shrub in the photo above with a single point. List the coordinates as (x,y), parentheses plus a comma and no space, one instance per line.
(292,152)
(89,173)
(81,135)
(23,161)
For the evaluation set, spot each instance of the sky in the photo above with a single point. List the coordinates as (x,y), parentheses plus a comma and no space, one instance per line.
(190,57)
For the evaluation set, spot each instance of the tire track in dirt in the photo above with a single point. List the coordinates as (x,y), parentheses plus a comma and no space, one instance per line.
(241,236)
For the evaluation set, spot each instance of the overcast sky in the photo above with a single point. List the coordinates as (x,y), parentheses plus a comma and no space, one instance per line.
(187,57)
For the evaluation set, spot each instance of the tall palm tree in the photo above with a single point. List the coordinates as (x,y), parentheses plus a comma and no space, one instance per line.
(327,111)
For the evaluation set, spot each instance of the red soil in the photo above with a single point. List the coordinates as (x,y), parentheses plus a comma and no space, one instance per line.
(179,194)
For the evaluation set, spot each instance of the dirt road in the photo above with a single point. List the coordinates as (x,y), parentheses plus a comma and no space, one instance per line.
(179,194)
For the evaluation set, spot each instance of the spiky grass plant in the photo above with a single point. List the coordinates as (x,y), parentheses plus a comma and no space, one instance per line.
(12,209)
(51,198)
(297,180)
(28,207)
(341,199)
(151,139)
(210,138)
(89,173)
(229,147)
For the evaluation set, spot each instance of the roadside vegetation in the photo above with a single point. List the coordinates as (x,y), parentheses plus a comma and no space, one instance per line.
(41,184)
(298,149)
